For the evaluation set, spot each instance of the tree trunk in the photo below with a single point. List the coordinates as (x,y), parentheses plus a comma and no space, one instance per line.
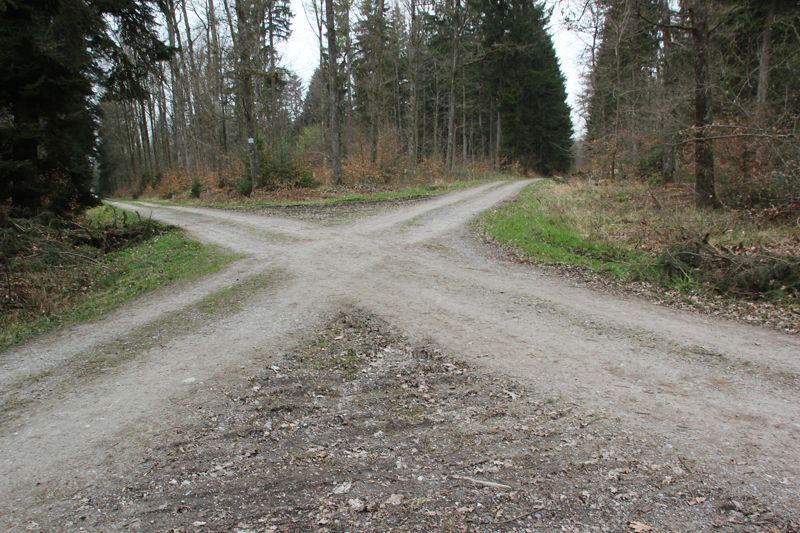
(451,112)
(273,75)
(333,93)
(498,139)
(198,133)
(668,158)
(144,130)
(763,64)
(348,55)
(463,123)
(218,116)
(162,109)
(412,85)
(151,112)
(703,112)
(178,105)
(244,41)
(436,134)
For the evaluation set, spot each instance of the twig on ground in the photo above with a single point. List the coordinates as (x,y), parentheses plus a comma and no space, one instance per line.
(524,515)
(82,257)
(658,204)
(491,484)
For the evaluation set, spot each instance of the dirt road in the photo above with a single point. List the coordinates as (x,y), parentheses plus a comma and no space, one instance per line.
(723,394)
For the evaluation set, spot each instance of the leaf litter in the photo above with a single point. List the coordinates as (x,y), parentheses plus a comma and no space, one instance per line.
(362,429)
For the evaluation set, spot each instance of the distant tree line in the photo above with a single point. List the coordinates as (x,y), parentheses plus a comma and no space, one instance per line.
(131,90)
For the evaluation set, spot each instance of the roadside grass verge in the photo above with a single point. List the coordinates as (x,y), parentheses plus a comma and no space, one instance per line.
(550,224)
(321,196)
(654,238)
(60,273)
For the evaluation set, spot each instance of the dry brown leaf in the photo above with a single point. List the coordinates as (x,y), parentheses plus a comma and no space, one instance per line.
(639,527)
(696,500)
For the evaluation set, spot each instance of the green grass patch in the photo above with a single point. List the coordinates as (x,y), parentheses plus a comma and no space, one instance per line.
(89,288)
(540,225)
(642,233)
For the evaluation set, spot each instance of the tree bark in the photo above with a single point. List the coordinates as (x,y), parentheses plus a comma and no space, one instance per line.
(333,93)
(178,105)
(218,114)
(162,109)
(412,122)
(144,130)
(668,158)
(193,87)
(706,195)
(451,112)
(764,58)
(498,139)
(244,41)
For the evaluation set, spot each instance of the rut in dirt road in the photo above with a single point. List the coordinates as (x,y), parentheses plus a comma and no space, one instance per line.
(723,393)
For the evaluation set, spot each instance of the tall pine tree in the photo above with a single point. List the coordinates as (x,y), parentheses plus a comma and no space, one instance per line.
(52,55)
(526,85)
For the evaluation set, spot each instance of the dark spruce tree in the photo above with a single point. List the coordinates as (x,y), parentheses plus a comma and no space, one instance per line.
(526,85)
(54,56)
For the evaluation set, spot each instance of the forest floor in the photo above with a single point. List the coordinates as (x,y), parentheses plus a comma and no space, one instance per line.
(393,373)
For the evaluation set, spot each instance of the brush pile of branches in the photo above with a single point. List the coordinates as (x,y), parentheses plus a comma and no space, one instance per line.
(39,250)
(751,274)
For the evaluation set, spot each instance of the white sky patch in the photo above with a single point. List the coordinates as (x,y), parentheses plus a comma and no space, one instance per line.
(301,53)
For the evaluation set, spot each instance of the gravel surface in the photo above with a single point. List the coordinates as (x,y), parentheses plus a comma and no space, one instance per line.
(397,374)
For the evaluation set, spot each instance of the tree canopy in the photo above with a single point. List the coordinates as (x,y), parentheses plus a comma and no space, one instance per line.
(57,58)
(524,77)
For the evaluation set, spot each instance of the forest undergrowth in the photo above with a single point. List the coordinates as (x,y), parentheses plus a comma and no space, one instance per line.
(744,264)
(60,271)
(286,179)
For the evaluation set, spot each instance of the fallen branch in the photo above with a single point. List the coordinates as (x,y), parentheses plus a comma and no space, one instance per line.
(82,257)
(658,204)
(491,484)
(524,515)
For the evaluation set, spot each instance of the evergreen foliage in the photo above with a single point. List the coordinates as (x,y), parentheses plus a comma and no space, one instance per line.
(52,55)
(524,78)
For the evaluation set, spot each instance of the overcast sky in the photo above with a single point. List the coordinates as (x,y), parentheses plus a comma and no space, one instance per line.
(301,52)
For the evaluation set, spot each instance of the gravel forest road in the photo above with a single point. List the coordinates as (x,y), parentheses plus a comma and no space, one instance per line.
(721,393)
